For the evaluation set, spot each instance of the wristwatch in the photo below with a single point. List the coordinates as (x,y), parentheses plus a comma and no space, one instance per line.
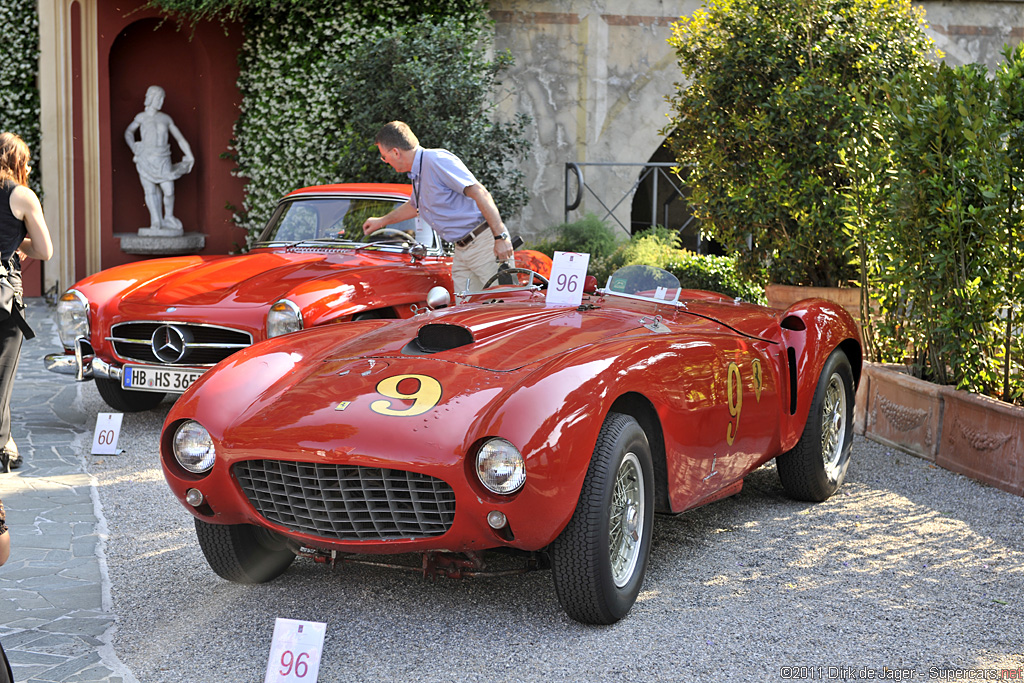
(503,236)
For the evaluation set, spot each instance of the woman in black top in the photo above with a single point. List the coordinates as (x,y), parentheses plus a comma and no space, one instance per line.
(23,233)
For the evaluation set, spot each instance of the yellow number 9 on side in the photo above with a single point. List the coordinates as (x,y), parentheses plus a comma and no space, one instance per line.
(734,389)
(426,396)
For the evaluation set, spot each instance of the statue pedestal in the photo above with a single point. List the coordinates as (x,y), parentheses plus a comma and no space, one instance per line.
(160,242)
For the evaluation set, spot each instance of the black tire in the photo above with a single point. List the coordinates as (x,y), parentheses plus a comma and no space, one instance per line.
(591,587)
(125,400)
(815,468)
(243,553)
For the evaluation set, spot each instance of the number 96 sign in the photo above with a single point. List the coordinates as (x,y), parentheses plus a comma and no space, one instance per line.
(295,651)
(568,271)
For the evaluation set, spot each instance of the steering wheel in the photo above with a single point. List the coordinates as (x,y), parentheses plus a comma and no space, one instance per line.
(511,271)
(392,232)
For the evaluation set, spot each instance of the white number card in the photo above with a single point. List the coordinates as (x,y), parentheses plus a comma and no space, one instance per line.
(108,429)
(295,651)
(424,233)
(568,271)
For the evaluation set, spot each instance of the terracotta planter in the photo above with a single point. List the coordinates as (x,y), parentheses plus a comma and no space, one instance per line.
(983,439)
(974,435)
(899,410)
(782,297)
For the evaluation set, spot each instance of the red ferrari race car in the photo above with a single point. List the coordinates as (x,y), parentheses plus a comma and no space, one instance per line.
(149,328)
(507,423)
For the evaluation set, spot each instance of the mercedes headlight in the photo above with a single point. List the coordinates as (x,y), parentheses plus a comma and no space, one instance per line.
(500,467)
(284,317)
(72,317)
(193,447)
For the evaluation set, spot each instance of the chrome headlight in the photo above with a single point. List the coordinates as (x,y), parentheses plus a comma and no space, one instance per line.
(284,317)
(193,447)
(72,317)
(500,467)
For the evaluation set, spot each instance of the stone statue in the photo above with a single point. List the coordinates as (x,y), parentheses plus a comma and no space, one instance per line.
(152,156)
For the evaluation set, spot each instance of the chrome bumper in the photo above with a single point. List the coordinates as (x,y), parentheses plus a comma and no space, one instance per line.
(82,365)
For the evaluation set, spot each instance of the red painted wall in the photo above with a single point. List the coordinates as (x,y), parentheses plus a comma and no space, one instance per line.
(198,70)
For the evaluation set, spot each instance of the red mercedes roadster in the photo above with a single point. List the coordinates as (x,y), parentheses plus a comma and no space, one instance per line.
(505,422)
(150,328)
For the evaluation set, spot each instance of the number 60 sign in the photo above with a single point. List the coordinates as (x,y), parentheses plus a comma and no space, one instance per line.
(108,429)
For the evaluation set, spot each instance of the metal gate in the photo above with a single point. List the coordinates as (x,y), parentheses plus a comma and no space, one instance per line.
(661,176)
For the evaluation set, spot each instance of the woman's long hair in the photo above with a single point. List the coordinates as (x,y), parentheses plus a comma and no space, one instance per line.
(14,158)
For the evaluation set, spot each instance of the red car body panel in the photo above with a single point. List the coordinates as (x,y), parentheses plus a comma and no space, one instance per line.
(710,382)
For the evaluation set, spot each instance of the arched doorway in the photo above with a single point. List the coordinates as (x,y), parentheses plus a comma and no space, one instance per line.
(661,198)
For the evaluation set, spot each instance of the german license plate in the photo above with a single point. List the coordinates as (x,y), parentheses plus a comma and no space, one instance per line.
(155,378)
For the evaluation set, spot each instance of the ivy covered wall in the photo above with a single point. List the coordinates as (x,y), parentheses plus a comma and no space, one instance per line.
(302,120)
(19,66)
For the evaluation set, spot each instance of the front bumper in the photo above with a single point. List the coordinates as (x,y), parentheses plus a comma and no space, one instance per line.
(82,363)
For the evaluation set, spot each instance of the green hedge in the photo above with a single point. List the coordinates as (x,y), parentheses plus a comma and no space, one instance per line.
(19,68)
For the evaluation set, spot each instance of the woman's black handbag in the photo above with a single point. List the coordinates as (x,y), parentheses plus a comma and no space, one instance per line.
(10,296)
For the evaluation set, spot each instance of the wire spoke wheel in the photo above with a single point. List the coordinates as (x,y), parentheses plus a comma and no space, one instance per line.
(626,520)
(833,426)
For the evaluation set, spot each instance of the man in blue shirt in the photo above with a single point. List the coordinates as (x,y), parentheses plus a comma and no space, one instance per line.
(451,200)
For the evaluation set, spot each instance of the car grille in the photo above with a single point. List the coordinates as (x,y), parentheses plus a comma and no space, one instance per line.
(204,344)
(348,503)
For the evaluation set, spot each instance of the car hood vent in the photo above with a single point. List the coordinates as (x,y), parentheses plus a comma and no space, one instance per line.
(437,337)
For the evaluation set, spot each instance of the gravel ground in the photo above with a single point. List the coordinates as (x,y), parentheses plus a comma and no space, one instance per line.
(907,567)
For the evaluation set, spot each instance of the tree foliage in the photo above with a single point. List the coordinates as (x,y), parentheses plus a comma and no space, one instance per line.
(770,95)
(436,77)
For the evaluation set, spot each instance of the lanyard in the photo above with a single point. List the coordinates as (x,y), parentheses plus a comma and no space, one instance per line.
(418,180)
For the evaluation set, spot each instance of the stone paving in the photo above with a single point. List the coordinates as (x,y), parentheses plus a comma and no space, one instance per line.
(55,620)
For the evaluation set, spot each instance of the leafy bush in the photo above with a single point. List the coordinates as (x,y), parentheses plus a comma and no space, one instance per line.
(660,247)
(944,235)
(589,235)
(653,247)
(769,96)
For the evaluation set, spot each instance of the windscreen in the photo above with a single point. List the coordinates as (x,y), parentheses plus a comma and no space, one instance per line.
(332,218)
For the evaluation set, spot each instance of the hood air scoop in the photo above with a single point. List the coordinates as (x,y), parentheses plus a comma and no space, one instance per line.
(437,337)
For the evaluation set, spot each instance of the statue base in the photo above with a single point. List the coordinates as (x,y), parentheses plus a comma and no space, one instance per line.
(160,242)
(161,232)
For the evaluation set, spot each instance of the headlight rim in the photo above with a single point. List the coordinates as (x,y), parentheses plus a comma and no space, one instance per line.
(205,462)
(297,323)
(69,334)
(517,479)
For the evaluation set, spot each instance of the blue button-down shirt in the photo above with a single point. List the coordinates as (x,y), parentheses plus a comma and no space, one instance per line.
(439,181)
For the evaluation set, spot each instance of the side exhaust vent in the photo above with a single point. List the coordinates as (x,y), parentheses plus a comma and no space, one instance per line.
(791,357)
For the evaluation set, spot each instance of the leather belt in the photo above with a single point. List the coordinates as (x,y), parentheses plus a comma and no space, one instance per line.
(469,238)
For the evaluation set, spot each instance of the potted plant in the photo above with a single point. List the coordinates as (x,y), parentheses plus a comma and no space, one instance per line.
(944,246)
